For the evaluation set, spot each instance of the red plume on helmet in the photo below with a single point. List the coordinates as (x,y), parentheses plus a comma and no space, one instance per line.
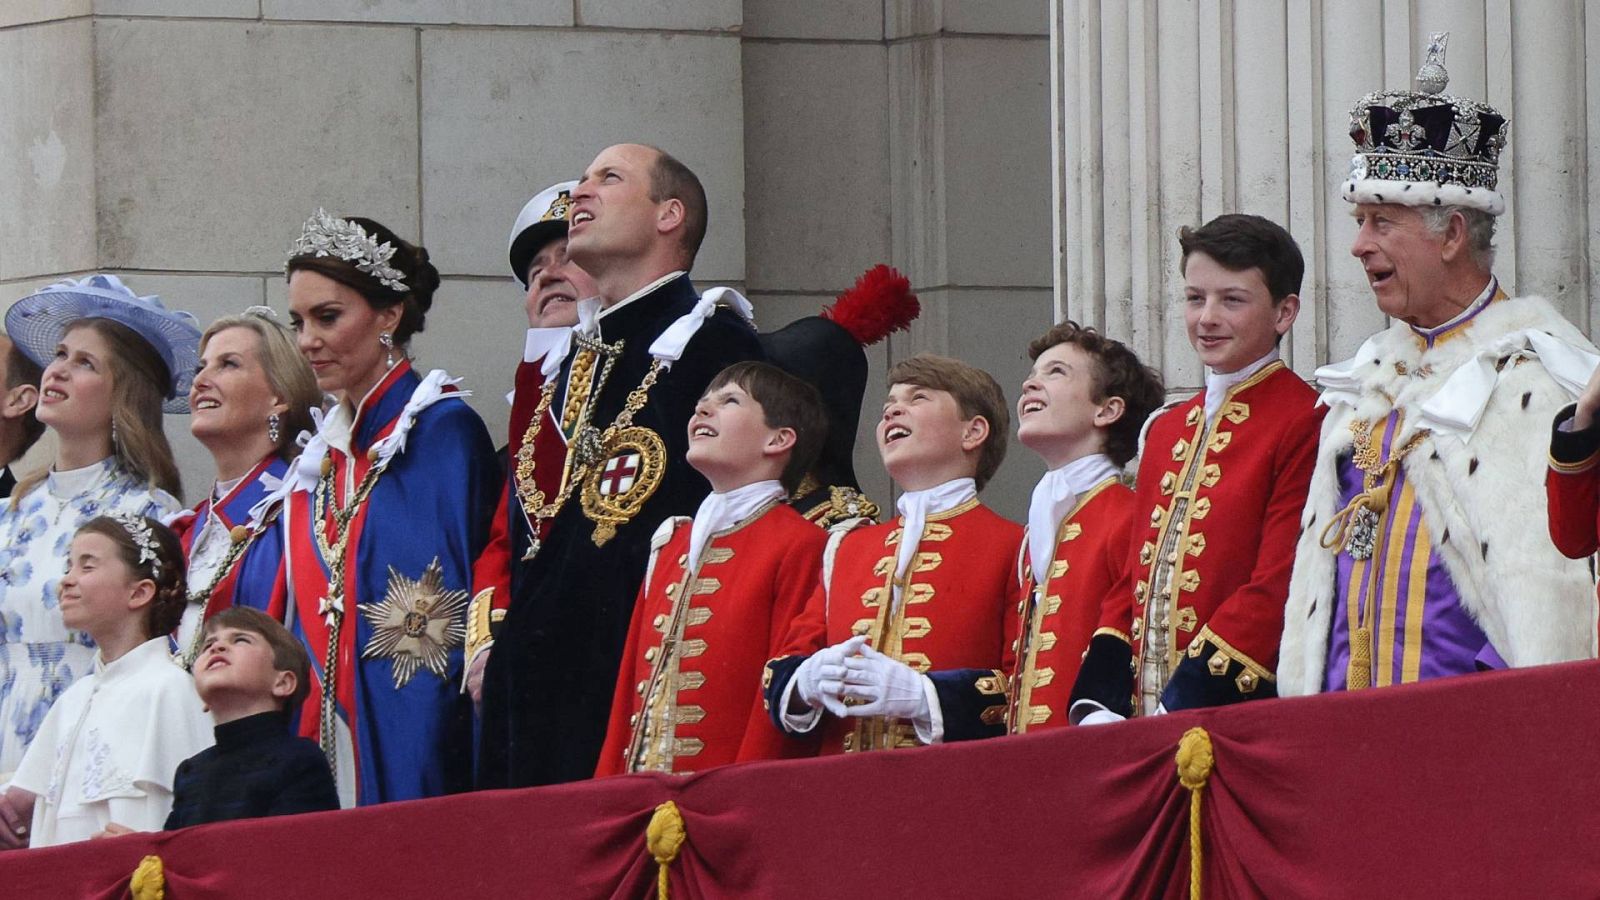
(826,350)
(880,302)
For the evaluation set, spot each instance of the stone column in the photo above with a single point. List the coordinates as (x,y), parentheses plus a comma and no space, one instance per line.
(1170,112)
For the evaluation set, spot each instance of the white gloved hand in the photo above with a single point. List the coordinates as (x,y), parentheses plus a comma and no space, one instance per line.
(883,687)
(819,681)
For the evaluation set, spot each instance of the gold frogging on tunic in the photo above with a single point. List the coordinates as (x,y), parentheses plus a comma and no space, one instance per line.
(1020,711)
(889,626)
(654,744)
(1160,615)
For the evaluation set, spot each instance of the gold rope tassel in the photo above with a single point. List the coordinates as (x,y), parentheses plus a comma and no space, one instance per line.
(149,880)
(1194,770)
(665,838)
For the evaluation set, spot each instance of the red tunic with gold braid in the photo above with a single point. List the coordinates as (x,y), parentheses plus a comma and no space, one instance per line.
(1572,487)
(688,694)
(1057,619)
(958,600)
(1200,606)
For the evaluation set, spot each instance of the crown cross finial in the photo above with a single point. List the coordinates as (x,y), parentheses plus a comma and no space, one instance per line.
(1432,78)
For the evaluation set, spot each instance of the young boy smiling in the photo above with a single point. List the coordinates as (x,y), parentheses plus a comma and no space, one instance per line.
(904,642)
(721,588)
(1197,616)
(1081,410)
(251,673)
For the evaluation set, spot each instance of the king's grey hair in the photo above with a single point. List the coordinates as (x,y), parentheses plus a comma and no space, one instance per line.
(1480,229)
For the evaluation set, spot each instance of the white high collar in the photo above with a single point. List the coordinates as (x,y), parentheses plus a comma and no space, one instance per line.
(1218,385)
(64,483)
(719,512)
(916,506)
(1054,498)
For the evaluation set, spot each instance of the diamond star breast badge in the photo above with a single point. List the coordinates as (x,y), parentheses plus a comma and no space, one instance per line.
(418,623)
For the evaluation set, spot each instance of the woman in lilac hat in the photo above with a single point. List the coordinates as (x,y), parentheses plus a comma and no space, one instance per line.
(113,362)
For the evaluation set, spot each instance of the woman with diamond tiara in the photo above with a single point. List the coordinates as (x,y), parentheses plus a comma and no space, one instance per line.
(387,507)
(252,396)
(113,361)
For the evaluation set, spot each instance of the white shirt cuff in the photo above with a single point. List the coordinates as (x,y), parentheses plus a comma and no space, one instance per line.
(930,727)
(797,723)
(1083,708)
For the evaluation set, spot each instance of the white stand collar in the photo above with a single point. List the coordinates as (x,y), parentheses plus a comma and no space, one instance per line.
(719,512)
(1218,385)
(1054,498)
(916,506)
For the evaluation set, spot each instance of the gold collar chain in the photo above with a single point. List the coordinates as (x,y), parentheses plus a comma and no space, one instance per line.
(241,538)
(584,453)
(1354,528)
(332,605)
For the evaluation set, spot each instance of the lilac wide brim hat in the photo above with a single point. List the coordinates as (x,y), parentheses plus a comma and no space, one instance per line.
(36,323)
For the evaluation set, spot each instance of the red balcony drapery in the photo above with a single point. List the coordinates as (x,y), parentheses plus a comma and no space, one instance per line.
(1477,786)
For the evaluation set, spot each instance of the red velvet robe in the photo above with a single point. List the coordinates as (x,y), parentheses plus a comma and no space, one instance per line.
(491,571)
(754,580)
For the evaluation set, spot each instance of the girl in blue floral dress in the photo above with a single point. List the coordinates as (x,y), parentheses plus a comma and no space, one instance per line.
(113,362)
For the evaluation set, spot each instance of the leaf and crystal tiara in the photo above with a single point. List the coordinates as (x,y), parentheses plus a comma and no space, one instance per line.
(326,235)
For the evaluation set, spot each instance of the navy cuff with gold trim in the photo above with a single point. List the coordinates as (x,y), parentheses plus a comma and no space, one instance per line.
(972,701)
(773,681)
(1573,451)
(1106,676)
(1212,677)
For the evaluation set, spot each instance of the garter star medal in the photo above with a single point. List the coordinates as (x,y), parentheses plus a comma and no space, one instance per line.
(418,623)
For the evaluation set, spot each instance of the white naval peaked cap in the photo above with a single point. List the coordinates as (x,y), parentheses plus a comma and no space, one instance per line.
(541,220)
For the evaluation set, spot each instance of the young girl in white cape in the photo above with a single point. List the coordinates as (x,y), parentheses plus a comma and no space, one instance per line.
(104,759)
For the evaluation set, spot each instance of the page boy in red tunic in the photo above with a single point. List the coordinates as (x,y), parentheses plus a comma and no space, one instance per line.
(722,588)
(885,653)
(1081,410)
(1222,480)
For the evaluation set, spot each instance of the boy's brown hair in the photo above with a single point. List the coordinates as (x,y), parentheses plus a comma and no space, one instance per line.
(1240,242)
(1117,373)
(288,655)
(786,402)
(976,394)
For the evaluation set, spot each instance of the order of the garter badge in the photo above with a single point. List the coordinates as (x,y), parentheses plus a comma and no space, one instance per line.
(635,459)
(418,623)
